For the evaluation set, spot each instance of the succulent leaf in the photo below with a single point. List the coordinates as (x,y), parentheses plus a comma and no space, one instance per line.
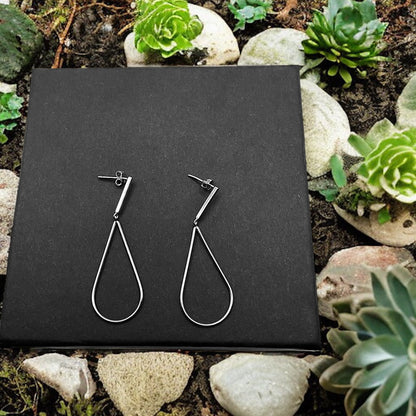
(342,341)
(165,26)
(348,34)
(378,374)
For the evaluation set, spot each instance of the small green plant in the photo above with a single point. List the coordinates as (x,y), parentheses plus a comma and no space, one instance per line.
(81,407)
(389,164)
(353,198)
(377,343)
(332,189)
(165,26)
(19,392)
(345,37)
(10,104)
(248,11)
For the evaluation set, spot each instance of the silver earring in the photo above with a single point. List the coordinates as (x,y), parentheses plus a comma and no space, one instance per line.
(205,184)
(119,179)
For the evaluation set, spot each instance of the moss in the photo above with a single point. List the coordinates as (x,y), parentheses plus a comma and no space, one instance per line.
(351,196)
(19,392)
(81,407)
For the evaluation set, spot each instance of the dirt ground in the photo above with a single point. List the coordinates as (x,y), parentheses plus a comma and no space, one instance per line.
(95,39)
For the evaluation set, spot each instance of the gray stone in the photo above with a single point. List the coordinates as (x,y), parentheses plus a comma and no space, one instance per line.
(406,105)
(274,47)
(326,127)
(348,272)
(260,385)
(139,384)
(70,376)
(9,183)
(398,233)
(216,37)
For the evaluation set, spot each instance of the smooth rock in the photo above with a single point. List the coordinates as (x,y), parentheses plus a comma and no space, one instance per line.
(326,128)
(274,47)
(70,376)
(398,233)
(9,183)
(260,385)
(348,272)
(139,384)
(5,88)
(216,37)
(406,105)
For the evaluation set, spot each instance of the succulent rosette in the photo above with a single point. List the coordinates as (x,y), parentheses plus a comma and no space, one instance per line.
(165,26)
(346,36)
(391,167)
(377,342)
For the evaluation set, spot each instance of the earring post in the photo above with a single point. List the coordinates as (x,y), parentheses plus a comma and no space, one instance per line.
(203,182)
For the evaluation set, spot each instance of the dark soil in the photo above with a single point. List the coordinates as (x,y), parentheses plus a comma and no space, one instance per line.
(95,39)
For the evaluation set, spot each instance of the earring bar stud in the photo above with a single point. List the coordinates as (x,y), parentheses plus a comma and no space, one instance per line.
(205,184)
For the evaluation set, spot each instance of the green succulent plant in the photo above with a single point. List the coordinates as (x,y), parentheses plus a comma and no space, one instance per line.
(345,37)
(389,164)
(378,349)
(248,11)
(165,26)
(10,104)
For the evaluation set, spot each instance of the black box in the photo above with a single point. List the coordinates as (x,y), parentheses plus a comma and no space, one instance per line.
(240,126)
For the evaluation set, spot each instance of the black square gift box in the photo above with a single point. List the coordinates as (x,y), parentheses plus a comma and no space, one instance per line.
(240,126)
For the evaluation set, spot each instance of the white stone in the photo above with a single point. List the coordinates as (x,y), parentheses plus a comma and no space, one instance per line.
(260,385)
(139,384)
(398,233)
(9,183)
(5,88)
(70,376)
(326,127)
(274,47)
(216,37)
(406,105)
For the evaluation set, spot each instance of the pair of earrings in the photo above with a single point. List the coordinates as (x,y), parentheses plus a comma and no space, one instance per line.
(119,179)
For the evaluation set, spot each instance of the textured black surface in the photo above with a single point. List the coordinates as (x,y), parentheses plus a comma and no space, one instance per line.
(241,126)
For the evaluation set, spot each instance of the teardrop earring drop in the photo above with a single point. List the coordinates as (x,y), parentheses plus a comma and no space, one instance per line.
(119,179)
(205,184)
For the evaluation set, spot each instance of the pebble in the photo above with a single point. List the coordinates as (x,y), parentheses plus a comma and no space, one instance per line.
(406,105)
(326,128)
(69,376)
(274,47)
(5,88)
(9,183)
(398,233)
(216,37)
(348,272)
(260,385)
(139,384)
